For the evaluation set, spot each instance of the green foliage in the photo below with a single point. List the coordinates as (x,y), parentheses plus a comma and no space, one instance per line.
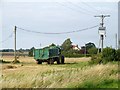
(52,45)
(92,51)
(101,79)
(67,50)
(118,55)
(108,54)
(74,53)
(67,44)
(107,83)
(7,50)
(31,52)
(90,45)
(96,59)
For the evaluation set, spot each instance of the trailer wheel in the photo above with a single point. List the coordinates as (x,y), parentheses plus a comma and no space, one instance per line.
(39,61)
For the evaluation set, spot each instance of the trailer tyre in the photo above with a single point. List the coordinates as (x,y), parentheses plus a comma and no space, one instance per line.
(39,62)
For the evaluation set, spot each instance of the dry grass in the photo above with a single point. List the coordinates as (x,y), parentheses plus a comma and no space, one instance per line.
(21,59)
(8,67)
(31,59)
(31,75)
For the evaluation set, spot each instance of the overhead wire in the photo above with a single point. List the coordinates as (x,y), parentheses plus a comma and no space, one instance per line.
(58,32)
(90,6)
(10,36)
(62,32)
(82,12)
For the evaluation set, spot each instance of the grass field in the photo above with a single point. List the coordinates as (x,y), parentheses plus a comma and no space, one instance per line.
(75,73)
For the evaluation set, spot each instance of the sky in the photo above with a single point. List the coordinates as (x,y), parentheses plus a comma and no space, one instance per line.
(54,16)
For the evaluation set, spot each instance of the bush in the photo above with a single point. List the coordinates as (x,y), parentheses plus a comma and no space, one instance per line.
(96,59)
(74,54)
(118,55)
(108,54)
(31,52)
(92,51)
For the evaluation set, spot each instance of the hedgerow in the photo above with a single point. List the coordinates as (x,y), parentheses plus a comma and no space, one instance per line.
(107,55)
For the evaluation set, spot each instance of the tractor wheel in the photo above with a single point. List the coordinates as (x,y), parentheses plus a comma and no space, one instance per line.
(62,59)
(58,61)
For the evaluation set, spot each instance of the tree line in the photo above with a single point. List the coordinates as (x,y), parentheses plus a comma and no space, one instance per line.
(68,51)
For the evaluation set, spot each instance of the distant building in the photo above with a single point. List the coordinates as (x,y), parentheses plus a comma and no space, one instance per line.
(119,25)
(75,47)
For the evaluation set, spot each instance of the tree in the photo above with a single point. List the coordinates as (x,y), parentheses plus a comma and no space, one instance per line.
(67,44)
(31,52)
(21,50)
(90,45)
(52,45)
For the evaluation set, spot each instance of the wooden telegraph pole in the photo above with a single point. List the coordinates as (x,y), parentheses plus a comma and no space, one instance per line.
(15,44)
(15,57)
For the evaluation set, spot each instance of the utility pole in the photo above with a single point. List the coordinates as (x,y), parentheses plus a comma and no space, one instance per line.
(102,29)
(15,57)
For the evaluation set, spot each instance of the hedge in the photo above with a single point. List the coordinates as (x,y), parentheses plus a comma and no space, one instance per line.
(76,55)
(108,55)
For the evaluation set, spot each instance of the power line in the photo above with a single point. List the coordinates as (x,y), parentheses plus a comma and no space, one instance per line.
(74,9)
(91,7)
(10,36)
(87,11)
(97,10)
(58,32)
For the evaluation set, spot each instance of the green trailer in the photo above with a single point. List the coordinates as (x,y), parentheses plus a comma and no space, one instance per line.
(49,55)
